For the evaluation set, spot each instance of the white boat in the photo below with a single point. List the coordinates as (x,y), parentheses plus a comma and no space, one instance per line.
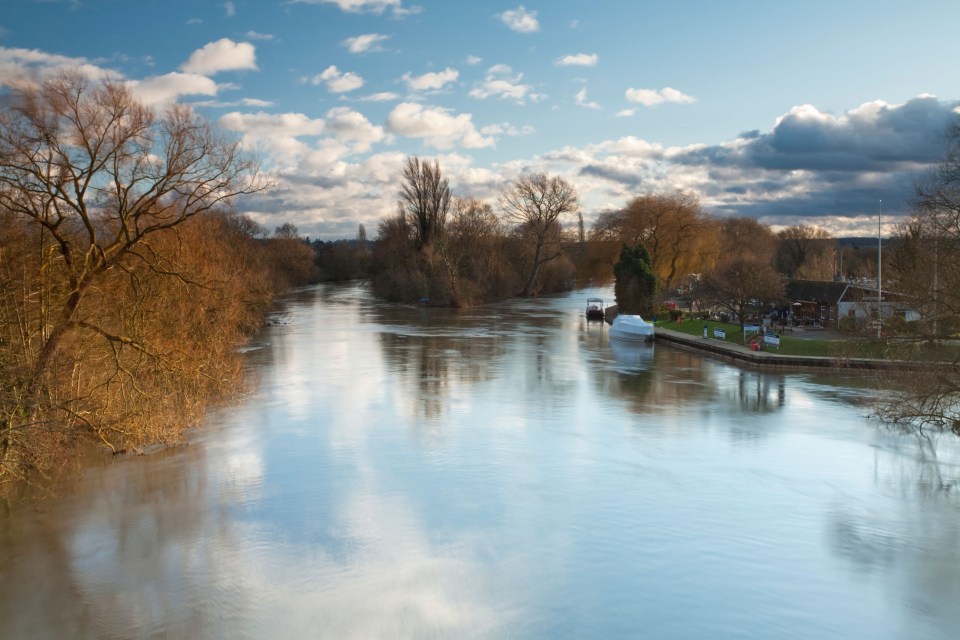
(628,327)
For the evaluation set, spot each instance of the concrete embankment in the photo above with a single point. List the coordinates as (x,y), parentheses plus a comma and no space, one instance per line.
(743,353)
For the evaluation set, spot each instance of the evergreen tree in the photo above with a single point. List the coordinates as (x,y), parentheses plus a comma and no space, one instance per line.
(636,284)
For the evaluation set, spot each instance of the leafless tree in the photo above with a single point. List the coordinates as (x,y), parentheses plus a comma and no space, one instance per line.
(805,251)
(743,277)
(536,204)
(927,263)
(425,198)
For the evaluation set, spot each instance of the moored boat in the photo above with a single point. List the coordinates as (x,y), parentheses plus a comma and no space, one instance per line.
(631,327)
(594,309)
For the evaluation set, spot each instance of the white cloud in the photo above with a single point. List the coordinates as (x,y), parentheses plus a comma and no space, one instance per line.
(222,55)
(431,80)
(275,135)
(338,81)
(653,97)
(436,126)
(266,125)
(520,20)
(376,7)
(243,102)
(578,60)
(366,42)
(383,96)
(581,100)
(474,60)
(25,65)
(352,126)
(230,9)
(633,147)
(626,113)
(507,129)
(169,87)
(253,35)
(500,82)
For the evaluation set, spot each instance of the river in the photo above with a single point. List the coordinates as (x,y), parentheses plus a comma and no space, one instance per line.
(500,472)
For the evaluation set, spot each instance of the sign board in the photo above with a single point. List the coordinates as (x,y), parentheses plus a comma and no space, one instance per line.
(747,328)
(772,339)
(719,333)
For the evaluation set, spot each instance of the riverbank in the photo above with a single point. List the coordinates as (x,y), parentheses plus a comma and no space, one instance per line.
(743,353)
(768,356)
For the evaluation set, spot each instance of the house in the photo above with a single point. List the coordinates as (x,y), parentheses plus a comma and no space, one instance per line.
(816,302)
(826,303)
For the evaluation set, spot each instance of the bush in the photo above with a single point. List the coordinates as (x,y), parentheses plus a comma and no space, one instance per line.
(847,324)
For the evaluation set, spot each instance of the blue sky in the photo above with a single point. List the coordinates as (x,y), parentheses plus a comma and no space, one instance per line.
(787,112)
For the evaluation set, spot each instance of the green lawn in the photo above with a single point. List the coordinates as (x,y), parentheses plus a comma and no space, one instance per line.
(789,345)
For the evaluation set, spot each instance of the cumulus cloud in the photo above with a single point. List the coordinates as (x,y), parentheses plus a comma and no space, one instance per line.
(170,87)
(520,20)
(507,129)
(578,60)
(277,136)
(474,60)
(243,102)
(222,55)
(581,100)
(811,166)
(364,43)
(431,80)
(376,7)
(436,126)
(268,125)
(875,136)
(500,82)
(20,65)
(653,97)
(338,81)
(352,126)
(382,96)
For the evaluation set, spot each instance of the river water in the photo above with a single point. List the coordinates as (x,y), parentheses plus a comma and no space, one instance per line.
(502,472)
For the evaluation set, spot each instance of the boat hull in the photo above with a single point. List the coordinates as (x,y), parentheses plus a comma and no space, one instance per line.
(594,309)
(631,328)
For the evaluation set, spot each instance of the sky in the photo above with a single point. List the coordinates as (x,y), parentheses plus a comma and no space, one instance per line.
(818,113)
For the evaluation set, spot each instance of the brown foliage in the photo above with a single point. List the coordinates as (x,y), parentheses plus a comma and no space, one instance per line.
(121,297)
(672,227)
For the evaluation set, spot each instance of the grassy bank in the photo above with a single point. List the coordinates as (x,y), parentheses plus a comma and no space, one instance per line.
(789,344)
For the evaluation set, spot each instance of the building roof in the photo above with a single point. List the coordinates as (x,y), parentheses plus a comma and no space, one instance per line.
(816,291)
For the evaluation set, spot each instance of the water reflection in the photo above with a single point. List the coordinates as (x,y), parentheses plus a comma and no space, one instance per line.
(499,472)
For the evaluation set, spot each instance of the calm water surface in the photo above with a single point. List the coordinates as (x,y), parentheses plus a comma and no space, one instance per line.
(503,472)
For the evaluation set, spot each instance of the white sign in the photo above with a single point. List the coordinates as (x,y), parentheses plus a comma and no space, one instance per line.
(772,339)
(719,333)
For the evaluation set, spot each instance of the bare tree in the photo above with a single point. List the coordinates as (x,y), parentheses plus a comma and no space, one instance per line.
(805,251)
(927,263)
(536,203)
(425,198)
(743,277)
(95,175)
